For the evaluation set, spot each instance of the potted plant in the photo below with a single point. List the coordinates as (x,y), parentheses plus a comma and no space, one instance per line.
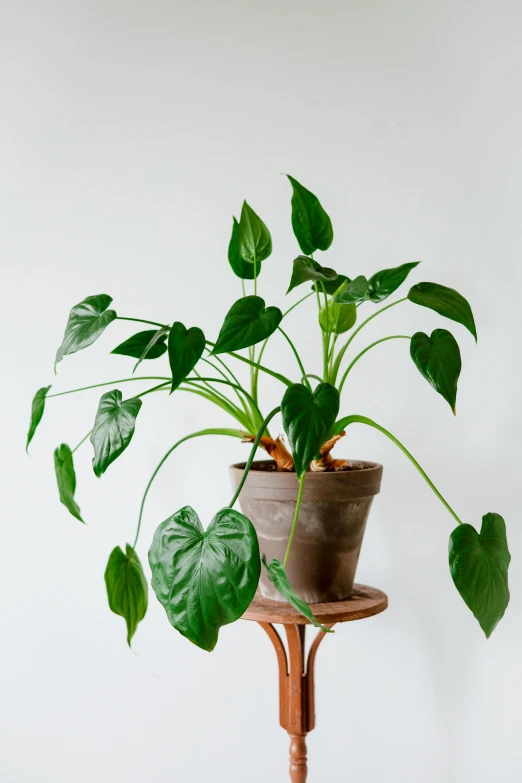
(305,511)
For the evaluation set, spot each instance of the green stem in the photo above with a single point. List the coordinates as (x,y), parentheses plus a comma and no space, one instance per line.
(111,383)
(277,375)
(232,385)
(296,516)
(221,402)
(297,303)
(325,351)
(238,395)
(372,345)
(311,375)
(298,358)
(343,423)
(250,459)
(154,388)
(81,442)
(141,321)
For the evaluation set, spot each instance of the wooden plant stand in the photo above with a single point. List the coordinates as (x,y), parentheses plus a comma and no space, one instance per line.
(296,673)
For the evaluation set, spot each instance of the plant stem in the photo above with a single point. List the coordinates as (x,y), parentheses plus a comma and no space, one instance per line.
(232,385)
(277,375)
(296,516)
(154,388)
(297,303)
(81,442)
(111,383)
(141,321)
(311,375)
(299,362)
(238,395)
(325,350)
(372,345)
(250,459)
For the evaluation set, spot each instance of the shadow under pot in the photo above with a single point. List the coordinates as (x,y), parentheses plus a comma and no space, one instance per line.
(330,530)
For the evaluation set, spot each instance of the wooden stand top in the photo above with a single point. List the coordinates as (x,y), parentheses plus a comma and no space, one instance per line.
(364,602)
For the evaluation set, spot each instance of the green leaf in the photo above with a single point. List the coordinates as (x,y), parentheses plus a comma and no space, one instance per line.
(113,428)
(438,359)
(37,410)
(141,345)
(383,284)
(312,226)
(127,588)
(332,287)
(241,268)
(479,565)
(247,322)
(308,420)
(186,347)
(337,318)
(445,301)
(204,579)
(277,575)
(66,479)
(307,269)
(87,321)
(355,291)
(254,240)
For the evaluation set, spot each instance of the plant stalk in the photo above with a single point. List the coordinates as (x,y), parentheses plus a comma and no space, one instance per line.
(296,516)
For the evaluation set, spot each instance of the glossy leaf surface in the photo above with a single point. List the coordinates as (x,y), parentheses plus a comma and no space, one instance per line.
(308,419)
(445,301)
(312,226)
(254,240)
(337,318)
(241,268)
(66,479)
(479,565)
(306,269)
(87,321)
(383,284)
(149,344)
(356,291)
(438,359)
(247,322)
(113,428)
(37,411)
(204,579)
(157,339)
(185,348)
(127,589)
(277,575)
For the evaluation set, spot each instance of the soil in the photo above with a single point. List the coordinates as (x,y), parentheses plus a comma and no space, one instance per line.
(271,467)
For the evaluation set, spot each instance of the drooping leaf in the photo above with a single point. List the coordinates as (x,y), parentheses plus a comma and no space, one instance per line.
(438,359)
(332,287)
(308,419)
(37,411)
(307,269)
(241,268)
(384,283)
(277,575)
(87,321)
(337,318)
(204,579)
(185,347)
(127,588)
(66,479)
(479,565)
(254,240)
(113,428)
(247,322)
(140,344)
(312,226)
(445,301)
(355,291)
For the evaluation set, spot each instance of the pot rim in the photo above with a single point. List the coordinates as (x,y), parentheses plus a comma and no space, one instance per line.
(369,467)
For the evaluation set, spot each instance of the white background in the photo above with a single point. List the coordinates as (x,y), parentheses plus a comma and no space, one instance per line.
(130,134)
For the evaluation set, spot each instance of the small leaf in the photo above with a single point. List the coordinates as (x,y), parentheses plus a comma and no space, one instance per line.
(37,411)
(308,269)
(355,291)
(479,565)
(445,301)
(113,428)
(312,226)
(247,322)
(140,345)
(186,347)
(254,240)
(241,268)
(87,321)
(308,420)
(332,287)
(127,588)
(383,284)
(66,479)
(277,575)
(438,359)
(337,318)
(204,579)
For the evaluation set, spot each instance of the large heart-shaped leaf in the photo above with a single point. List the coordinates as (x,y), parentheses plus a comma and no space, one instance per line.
(247,322)
(87,321)
(384,283)
(204,579)
(254,240)
(241,268)
(312,226)
(479,565)
(157,339)
(337,318)
(308,420)
(37,411)
(445,301)
(307,269)
(127,588)
(66,479)
(277,575)
(185,347)
(356,291)
(149,344)
(113,428)
(438,359)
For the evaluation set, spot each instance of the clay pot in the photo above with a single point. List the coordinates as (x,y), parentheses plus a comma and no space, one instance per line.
(329,533)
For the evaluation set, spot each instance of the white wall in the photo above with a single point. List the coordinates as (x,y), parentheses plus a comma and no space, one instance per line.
(130,134)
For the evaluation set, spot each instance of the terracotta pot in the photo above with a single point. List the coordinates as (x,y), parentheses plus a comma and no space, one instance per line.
(329,534)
